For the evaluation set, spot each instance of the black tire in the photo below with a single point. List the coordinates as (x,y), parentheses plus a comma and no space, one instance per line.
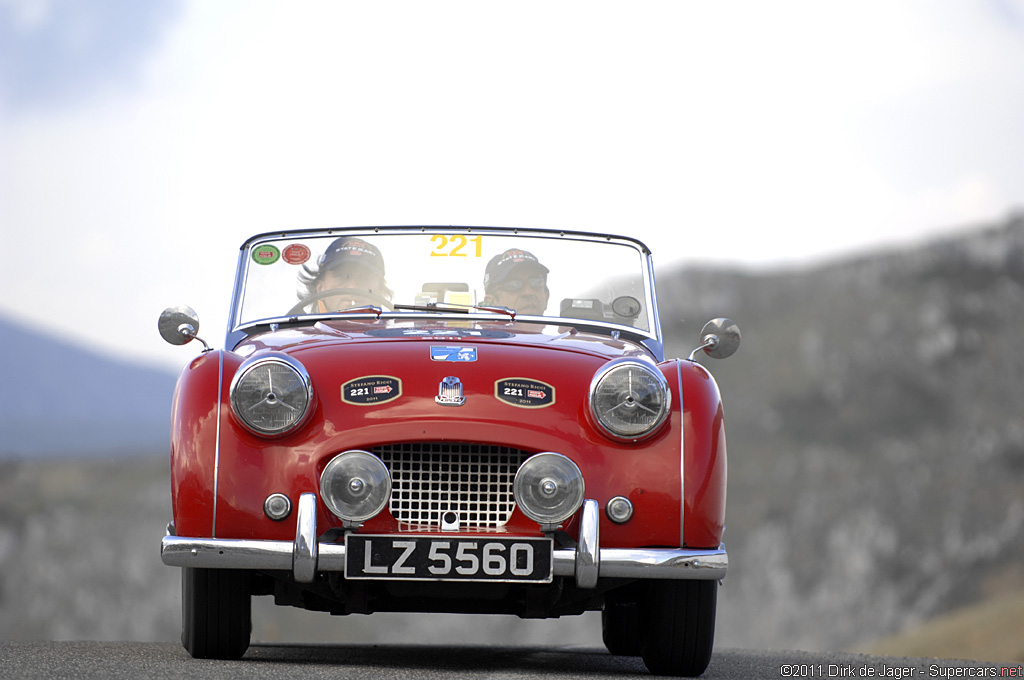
(678,619)
(620,628)
(216,613)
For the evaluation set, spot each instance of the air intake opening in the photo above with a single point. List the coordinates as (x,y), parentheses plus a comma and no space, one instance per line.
(471,481)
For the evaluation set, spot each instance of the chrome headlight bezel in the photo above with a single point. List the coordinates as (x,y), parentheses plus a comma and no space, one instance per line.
(299,394)
(655,398)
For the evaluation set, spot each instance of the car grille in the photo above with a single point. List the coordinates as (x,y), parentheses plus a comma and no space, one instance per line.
(472,480)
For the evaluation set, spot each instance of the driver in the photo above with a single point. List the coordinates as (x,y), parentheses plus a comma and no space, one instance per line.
(354,268)
(516,279)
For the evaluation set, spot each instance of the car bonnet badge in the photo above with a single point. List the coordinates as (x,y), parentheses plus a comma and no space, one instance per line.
(449,393)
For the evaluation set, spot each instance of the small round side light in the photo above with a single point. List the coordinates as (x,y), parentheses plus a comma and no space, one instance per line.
(277,506)
(619,510)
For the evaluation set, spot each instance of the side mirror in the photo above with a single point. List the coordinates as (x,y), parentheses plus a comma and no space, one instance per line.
(720,338)
(180,325)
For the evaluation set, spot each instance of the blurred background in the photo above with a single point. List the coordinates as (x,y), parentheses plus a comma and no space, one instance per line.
(845,180)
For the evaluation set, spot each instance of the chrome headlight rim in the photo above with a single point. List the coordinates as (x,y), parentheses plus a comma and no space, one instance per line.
(650,369)
(326,477)
(246,368)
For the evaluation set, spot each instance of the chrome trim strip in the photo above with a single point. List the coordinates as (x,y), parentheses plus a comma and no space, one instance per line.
(216,447)
(586,567)
(682,456)
(306,547)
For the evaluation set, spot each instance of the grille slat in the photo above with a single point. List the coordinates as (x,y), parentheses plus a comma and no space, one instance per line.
(431,478)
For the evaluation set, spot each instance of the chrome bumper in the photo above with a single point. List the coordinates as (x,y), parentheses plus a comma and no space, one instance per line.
(306,556)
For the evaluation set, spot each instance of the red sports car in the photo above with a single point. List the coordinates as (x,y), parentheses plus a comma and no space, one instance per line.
(445,419)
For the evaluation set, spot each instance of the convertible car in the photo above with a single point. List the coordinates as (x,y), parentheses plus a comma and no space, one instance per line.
(466,420)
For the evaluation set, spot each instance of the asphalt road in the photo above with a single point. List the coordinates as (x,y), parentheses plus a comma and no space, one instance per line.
(393,662)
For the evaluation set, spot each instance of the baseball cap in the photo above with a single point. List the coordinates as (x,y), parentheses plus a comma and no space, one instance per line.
(349,250)
(502,265)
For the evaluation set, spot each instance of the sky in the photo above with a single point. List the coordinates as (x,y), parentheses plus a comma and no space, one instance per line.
(142,142)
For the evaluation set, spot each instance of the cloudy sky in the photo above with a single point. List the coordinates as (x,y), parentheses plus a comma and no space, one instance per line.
(142,142)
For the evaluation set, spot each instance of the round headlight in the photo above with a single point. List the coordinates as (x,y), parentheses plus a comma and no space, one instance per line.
(355,485)
(271,396)
(548,488)
(629,399)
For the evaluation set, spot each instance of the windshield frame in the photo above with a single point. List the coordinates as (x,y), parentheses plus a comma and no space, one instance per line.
(238,330)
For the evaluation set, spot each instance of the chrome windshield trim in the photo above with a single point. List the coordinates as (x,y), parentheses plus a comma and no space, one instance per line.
(653,345)
(530,232)
(457,316)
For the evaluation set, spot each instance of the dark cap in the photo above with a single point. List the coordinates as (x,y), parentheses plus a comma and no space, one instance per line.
(349,250)
(503,264)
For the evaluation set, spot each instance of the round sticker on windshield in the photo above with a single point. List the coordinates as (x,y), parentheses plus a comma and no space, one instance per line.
(266,254)
(296,253)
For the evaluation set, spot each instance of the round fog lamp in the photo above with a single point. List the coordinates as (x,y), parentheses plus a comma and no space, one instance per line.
(548,488)
(355,486)
(277,506)
(619,509)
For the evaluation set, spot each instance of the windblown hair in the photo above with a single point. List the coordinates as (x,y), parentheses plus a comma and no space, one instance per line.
(310,275)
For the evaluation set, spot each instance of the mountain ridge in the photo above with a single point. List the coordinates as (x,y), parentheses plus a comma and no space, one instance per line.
(77,403)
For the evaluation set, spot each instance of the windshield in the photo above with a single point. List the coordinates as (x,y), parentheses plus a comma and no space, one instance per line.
(412,270)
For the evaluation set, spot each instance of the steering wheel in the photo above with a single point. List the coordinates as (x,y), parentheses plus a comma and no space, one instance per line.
(372,297)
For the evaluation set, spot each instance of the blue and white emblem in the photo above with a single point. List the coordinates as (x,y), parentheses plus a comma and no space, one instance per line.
(449,393)
(452,353)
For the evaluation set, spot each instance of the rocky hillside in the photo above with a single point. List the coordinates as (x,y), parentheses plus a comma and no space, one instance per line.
(876,436)
(876,440)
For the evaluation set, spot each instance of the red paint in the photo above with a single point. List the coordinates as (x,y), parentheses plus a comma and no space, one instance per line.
(251,468)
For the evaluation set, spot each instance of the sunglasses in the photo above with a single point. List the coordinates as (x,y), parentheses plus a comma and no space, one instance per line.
(516,285)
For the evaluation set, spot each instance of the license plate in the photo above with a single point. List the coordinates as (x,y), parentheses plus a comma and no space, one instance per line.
(445,558)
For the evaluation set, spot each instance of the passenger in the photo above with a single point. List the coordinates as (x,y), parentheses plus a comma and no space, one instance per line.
(353,268)
(516,279)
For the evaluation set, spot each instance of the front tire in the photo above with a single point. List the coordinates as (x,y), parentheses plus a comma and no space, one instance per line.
(216,613)
(620,627)
(678,619)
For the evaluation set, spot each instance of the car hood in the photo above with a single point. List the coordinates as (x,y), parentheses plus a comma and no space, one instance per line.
(325,334)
